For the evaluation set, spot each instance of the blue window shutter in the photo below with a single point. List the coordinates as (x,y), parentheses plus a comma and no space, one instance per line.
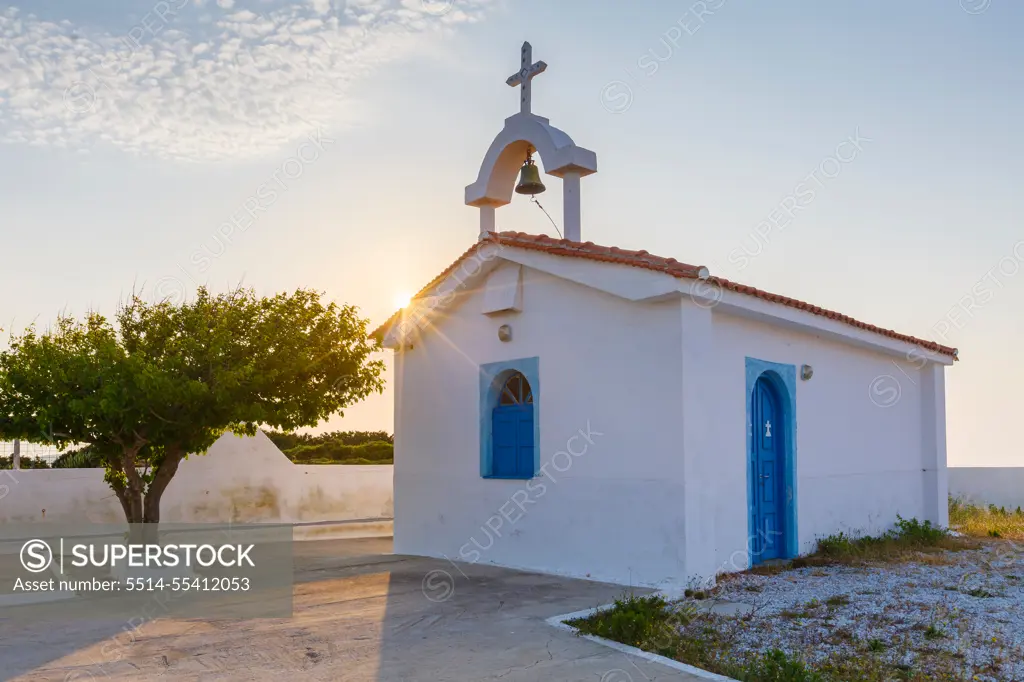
(513,450)
(505,446)
(524,461)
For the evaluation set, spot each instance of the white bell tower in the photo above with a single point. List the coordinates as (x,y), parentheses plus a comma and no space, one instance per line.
(522,132)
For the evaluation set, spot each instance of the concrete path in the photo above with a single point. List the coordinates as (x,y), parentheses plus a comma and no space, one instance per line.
(361,614)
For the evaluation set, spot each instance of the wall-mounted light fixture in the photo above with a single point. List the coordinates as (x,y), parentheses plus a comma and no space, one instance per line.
(806,372)
(505,333)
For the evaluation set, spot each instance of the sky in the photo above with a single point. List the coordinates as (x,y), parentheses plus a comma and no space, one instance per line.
(327,144)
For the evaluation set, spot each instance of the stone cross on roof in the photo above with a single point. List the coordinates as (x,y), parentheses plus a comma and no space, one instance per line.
(525,75)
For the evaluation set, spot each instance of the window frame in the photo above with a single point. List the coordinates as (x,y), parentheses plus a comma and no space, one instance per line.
(493,377)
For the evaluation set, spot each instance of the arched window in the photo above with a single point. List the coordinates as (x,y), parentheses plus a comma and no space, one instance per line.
(516,391)
(512,432)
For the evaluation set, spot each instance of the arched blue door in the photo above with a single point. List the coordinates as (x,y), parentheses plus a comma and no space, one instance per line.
(767,493)
(512,430)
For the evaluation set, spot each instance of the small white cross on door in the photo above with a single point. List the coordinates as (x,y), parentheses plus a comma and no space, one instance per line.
(768,429)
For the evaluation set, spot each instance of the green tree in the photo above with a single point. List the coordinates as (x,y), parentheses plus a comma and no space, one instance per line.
(164,380)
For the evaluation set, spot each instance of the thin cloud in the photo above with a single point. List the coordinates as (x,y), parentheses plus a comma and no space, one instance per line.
(203,82)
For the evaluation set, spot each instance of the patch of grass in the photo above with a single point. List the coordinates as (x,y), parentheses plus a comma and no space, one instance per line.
(777,666)
(904,542)
(794,614)
(808,610)
(842,635)
(650,623)
(986,522)
(933,631)
(707,641)
(838,600)
(773,568)
(637,621)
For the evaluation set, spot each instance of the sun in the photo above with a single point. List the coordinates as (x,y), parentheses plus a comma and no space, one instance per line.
(402,299)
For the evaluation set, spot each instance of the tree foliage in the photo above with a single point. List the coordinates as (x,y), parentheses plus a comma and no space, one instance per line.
(160,380)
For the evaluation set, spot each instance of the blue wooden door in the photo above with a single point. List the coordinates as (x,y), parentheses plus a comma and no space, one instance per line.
(512,430)
(767,494)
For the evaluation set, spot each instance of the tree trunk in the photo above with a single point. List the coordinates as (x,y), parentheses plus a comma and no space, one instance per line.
(141,502)
(131,495)
(131,501)
(161,477)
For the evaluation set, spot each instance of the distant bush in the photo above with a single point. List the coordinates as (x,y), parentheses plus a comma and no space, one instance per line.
(287,441)
(82,458)
(26,463)
(337,447)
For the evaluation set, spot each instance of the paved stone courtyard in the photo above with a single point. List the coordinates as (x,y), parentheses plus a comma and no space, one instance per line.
(361,614)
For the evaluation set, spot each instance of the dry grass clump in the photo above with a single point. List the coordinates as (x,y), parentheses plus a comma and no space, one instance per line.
(986,521)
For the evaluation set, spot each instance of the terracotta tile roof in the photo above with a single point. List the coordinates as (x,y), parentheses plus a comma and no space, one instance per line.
(670,266)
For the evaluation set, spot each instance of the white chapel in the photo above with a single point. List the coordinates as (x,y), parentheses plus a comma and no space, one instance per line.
(595,412)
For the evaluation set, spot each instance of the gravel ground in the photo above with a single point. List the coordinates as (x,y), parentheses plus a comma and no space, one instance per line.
(968,613)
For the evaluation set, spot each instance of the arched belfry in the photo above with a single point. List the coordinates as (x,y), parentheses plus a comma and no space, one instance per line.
(523,133)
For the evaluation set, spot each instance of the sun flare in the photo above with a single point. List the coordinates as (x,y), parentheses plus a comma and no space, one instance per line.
(402,299)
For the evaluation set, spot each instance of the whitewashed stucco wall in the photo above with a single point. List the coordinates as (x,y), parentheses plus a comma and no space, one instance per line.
(1001,486)
(861,455)
(245,480)
(632,508)
(615,511)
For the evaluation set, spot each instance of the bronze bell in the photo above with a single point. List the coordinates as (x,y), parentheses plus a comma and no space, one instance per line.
(529,178)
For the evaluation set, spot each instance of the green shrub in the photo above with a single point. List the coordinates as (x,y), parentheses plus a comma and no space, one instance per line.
(25,463)
(336,447)
(776,666)
(905,537)
(287,441)
(633,620)
(82,458)
(913,531)
(376,452)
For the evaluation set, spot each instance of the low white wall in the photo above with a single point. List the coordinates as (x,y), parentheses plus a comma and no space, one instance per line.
(243,480)
(1001,486)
